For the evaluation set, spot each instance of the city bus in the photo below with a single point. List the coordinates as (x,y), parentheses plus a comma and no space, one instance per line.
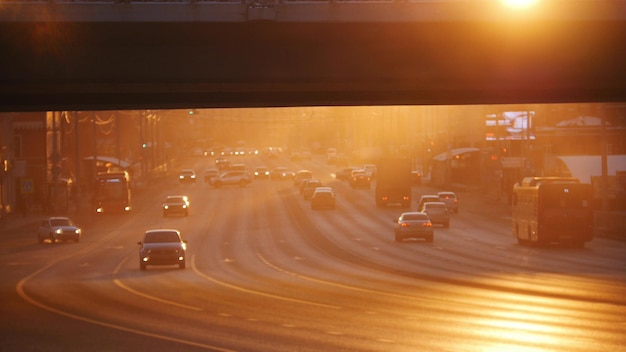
(552,209)
(112,192)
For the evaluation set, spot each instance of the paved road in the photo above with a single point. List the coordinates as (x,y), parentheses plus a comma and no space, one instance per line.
(266,273)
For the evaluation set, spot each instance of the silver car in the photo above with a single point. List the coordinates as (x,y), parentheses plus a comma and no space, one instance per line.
(413,225)
(437,212)
(237,178)
(451,200)
(58,228)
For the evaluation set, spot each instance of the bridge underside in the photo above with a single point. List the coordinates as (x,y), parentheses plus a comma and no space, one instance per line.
(85,66)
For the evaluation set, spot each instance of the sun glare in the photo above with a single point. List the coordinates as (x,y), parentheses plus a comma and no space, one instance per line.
(520,4)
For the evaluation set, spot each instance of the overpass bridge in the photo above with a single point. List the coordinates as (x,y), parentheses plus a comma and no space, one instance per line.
(99,54)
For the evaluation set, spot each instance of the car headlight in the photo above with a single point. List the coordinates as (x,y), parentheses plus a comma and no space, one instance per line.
(77,231)
(166,207)
(58,231)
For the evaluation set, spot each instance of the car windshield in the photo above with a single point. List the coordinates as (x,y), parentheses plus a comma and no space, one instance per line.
(325,194)
(61,222)
(416,216)
(161,237)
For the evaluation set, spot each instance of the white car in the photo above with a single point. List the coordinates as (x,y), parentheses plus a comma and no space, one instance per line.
(240,178)
(58,228)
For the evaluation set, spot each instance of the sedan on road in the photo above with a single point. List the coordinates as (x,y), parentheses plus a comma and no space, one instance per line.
(323,197)
(281,173)
(451,200)
(58,228)
(162,247)
(308,187)
(261,172)
(176,205)
(437,212)
(187,175)
(238,178)
(413,225)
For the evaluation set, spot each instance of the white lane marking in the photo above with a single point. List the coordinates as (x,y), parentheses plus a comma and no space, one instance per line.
(19,288)
(154,298)
(253,292)
(330,283)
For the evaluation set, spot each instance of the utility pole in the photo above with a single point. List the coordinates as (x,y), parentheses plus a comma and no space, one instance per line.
(78,163)
(604,151)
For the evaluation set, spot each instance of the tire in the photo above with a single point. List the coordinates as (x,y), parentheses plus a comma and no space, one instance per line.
(39,239)
(446,225)
(429,239)
(142,266)
(398,238)
(217,184)
(182,265)
(51,237)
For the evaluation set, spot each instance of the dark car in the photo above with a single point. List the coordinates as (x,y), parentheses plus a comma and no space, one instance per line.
(222,163)
(344,174)
(186,176)
(261,172)
(58,228)
(427,198)
(281,173)
(323,198)
(416,177)
(360,179)
(451,200)
(210,173)
(176,205)
(308,187)
(413,225)
(300,176)
(162,247)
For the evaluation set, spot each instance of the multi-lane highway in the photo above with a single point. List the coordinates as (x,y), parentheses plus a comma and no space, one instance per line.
(266,273)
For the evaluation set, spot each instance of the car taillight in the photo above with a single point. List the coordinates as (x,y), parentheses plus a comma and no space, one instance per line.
(456,201)
(404,224)
(427,224)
